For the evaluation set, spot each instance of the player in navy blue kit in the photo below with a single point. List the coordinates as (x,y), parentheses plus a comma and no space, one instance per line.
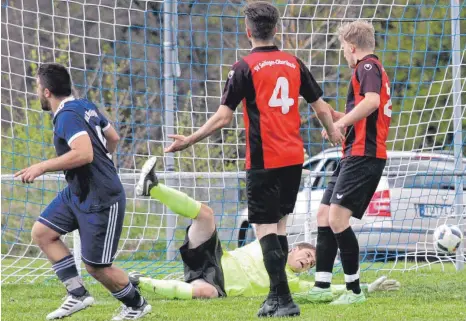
(93,202)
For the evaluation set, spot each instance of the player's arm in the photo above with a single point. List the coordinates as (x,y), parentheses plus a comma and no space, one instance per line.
(330,131)
(370,79)
(112,138)
(367,106)
(233,93)
(72,128)
(220,119)
(81,153)
(336,115)
(312,92)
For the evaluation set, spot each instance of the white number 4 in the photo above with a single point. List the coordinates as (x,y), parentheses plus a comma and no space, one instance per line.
(281,87)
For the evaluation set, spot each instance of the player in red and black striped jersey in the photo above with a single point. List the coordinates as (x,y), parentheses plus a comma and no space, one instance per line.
(268,82)
(367,120)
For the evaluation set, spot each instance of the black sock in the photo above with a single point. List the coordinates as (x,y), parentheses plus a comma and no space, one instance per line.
(284,243)
(326,251)
(273,261)
(349,253)
(68,273)
(129,296)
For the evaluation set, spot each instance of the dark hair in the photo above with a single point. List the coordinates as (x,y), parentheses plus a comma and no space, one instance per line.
(261,19)
(55,78)
(305,245)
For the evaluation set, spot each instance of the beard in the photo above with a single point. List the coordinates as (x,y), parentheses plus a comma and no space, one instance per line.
(45,104)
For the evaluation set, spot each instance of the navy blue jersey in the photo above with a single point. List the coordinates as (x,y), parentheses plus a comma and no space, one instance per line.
(94,186)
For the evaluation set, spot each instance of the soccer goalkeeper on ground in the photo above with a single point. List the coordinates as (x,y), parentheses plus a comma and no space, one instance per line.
(211,272)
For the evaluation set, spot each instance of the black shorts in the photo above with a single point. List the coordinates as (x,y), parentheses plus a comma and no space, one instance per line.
(354,182)
(204,262)
(272,193)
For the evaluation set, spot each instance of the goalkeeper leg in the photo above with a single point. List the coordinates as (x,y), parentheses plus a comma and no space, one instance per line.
(203,225)
(201,252)
(174,289)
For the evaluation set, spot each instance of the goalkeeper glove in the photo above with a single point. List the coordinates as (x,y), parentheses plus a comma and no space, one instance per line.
(382,284)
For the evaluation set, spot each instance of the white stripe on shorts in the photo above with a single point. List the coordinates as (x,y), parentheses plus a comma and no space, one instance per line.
(110,235)
(113,234)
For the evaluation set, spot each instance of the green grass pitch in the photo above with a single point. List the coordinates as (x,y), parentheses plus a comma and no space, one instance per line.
(427,294)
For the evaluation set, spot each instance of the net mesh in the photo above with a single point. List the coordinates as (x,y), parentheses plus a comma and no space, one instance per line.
(114,51)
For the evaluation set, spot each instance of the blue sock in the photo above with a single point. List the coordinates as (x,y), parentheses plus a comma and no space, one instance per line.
(68,274)
(129,296)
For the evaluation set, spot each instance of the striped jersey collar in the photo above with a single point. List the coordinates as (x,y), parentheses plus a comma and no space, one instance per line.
(264,49)
(62,104)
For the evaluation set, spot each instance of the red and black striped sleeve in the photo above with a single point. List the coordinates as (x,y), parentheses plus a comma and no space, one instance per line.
(309,89)
(237,84)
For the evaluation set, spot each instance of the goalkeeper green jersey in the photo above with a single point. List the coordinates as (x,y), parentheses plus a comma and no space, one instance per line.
(245,274)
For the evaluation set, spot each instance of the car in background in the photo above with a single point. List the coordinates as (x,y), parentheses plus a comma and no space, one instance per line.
(414,196)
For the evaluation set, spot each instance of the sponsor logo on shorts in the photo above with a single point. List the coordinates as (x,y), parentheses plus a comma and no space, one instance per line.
(339,196)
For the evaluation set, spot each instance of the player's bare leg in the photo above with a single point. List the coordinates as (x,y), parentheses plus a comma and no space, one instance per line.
(200,231)
(49,242)
(63,263)
(326,253)
(279,302)
(112,277)
(202,228)
(281,227)
(339,220)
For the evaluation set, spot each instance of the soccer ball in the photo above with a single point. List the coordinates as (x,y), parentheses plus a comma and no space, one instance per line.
(447,238)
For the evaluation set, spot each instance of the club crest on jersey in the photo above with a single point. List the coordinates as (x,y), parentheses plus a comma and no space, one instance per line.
(230,74)
(368,67)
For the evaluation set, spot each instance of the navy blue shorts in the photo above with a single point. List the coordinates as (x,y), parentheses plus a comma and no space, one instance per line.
(99,231)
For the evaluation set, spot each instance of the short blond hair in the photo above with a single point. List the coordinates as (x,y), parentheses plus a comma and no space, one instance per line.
(359,33)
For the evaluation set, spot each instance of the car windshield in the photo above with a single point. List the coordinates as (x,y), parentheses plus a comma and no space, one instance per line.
(432,173)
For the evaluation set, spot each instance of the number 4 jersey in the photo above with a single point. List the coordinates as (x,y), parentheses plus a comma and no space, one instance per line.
(94,186)
(269,82)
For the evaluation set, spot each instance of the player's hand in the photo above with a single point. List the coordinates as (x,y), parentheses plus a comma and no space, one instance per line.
(324,134)
(382,284)
(340,127)
(29,174)
(180,142)
(336,137)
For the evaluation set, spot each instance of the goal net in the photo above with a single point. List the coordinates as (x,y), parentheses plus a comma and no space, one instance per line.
(154,72)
